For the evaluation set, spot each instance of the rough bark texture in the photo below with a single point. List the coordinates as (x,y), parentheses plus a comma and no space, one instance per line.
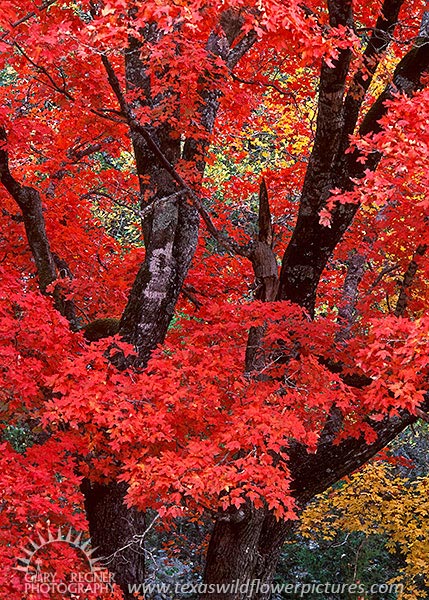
(247,545)
(407,281)
(310,246)
(116,532)
(171,233)
(266,279)
(347,312)
(244,548)
(30,203)
(156,289)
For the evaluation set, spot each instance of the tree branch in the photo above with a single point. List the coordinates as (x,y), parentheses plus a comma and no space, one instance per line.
(383,272)
(28,16)
(241,48)
(189,293)
(265,268)
(378,43)
(30,203)
(314,473)
(407,281)
(44,71)
(422,415)
(312,244)
(347,310)
(330,117)
(224,240)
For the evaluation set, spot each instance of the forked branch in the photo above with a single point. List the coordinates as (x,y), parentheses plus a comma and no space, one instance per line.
(223,239)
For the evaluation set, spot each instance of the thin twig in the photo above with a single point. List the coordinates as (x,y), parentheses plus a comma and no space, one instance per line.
(45,72)
(383,272)
(28,16)
(136,539)
(190,296)
(266,84)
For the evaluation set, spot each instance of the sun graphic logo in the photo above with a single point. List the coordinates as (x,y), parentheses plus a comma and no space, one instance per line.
(94,578)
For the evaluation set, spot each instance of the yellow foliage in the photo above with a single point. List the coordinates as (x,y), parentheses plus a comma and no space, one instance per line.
(377,501)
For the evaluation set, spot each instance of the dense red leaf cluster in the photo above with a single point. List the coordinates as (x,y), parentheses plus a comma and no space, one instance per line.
(193,431)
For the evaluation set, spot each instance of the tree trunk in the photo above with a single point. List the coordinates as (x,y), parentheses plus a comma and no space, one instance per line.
(247,545)
(116,533)
(243,554)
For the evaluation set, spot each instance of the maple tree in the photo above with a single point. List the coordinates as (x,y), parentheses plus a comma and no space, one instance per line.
(229,135)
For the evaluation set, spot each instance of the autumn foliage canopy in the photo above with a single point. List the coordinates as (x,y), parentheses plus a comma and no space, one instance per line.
(139,143)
